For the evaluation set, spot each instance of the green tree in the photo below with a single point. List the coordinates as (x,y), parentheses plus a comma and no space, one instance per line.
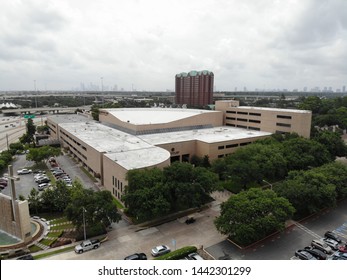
(97,207)
(34,201)
(333,142)
(42,153)
(301,153)
(252,215)
(308,191)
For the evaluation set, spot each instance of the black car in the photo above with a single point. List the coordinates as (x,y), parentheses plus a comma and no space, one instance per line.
(318,254)
(136,256)
(304,255)
(26,257)
(333,236)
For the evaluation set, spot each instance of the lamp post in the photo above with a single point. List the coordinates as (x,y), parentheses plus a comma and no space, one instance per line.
(268,184)
(84,223)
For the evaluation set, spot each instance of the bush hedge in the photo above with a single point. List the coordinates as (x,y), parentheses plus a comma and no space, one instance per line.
(178,254)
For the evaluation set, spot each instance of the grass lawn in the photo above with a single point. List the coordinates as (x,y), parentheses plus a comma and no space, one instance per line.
(62,227)
(44,255)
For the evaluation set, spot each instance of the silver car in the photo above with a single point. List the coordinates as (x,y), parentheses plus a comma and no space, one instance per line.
(160,250)
(321,245)
(332,243)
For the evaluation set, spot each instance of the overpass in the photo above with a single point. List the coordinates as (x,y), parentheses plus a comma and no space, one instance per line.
(52,110)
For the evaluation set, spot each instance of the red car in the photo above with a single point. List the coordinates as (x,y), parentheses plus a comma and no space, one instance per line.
(343,248)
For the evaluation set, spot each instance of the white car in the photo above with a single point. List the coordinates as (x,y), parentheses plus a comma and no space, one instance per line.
(321,245)
(24,171)
(42,186)
(331,243)
(160,250)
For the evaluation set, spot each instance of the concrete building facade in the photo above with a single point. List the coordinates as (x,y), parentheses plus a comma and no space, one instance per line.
(272,120)
(138,138)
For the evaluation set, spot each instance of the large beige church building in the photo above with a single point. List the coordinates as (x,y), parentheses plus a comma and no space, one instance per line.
(137,138)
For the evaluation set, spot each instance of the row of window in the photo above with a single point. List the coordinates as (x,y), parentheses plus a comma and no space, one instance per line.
(117,187)
(73,148)
(233,145)
(283,124)
(257,114)
(243,120)
(73,140)
(243,126)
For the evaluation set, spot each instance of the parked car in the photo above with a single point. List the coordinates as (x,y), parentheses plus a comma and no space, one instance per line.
(43,180)
(318,254)
(342,248)
(42,186)
(321,245)
(136,256)
(26,257)
(332,243)
(24,171)
(340,255)
(40,178)
(304,255)
(333,236)
(194,256)
(160,250)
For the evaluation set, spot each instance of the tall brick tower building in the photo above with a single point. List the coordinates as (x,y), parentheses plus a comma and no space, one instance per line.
(194,88)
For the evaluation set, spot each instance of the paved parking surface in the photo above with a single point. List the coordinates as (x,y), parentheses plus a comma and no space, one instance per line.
(282,246)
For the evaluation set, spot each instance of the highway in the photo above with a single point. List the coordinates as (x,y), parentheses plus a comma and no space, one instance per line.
(11,128)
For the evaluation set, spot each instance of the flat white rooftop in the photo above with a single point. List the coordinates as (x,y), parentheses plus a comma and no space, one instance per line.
(207,135)
(273,109)
(103,138)
(141,116)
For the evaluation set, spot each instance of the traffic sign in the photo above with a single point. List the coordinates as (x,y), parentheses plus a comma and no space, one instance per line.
(29,116)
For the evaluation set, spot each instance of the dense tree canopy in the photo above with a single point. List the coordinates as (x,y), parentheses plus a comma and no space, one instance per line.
(252,215)
(42,153)
(154,193)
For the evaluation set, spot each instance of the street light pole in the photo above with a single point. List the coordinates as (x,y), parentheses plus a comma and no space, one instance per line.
(84,224)
(268,183)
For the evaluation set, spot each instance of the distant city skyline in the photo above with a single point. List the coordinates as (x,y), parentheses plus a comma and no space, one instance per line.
(142,44)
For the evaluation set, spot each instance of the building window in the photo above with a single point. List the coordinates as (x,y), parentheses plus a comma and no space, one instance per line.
(283,124)
(232,146)
(255,114)
(244,144)
(231,112)
(284,117)
(254,121)
(113,180)
(254,128)
(230,118)
(220,147)
(220,156)
(242,113)
(242,120)
(241,126)
(230,124)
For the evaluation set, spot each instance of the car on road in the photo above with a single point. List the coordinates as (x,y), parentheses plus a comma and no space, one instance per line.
(24,171)
(195,256)
(318,254)
(332,243)
(304,255)
(26,257)
(333,236)
(136,256)
(321,245)
(160,250)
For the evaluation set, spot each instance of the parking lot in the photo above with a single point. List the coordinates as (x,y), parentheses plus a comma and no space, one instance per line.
(282,246)
(27,182)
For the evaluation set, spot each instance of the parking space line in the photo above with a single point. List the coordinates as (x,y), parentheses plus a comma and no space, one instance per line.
(315,235)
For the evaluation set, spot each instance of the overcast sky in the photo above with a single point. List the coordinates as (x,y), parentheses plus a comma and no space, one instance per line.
(142,44)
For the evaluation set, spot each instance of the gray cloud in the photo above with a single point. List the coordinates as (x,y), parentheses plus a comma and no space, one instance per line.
(267,43)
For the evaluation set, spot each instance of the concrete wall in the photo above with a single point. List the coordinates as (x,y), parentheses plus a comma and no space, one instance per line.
(16,224)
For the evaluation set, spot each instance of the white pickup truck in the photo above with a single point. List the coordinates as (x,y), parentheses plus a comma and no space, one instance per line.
(87,245)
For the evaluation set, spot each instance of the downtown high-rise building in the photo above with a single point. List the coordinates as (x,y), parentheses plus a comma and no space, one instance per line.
(194,88)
